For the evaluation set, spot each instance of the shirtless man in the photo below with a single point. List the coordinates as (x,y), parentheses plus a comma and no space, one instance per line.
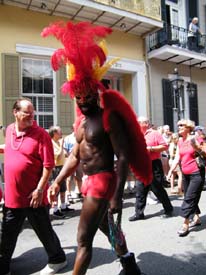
(102,188)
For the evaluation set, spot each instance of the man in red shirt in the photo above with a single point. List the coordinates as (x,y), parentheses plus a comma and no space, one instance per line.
(155,145)
(28,163)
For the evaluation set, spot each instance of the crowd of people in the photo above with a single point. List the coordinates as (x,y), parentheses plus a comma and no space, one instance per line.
(180,159)
(105,145)
(40,161)
(190,148)
(155,145)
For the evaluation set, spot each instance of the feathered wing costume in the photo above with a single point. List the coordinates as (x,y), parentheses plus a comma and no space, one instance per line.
(84,54)
(139,159)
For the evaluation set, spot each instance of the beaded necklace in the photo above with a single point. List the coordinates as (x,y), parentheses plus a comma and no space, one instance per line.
(16,148)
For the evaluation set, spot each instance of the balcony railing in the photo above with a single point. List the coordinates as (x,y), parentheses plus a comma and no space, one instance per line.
(174,35)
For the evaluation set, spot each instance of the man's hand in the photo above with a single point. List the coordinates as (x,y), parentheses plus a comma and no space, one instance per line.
(36,198)
(115,205)
(53,192)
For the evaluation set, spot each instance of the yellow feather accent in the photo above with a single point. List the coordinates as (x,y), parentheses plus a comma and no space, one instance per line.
(103,46)
(70,71)
(99,72)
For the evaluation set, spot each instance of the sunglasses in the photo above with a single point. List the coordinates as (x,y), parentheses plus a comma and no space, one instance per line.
(181,125)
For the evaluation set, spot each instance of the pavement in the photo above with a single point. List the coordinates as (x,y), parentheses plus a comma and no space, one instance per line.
(157,247)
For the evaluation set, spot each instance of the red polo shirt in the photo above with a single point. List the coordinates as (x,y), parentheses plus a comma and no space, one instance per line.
(24,159)
(154,138)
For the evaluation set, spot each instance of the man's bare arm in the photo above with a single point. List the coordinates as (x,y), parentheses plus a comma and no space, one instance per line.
(120,146)
(157,148)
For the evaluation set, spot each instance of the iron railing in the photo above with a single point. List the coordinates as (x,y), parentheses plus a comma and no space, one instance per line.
(174,35)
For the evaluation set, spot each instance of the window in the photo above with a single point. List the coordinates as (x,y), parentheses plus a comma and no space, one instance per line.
(37,84)
(174,1)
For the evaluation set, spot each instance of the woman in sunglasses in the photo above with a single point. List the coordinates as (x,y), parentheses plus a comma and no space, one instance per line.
(193,176)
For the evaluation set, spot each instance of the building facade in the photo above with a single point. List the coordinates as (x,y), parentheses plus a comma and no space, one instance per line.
(169,49)
(25,56)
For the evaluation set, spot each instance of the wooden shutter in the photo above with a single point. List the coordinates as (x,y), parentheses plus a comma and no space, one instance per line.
(163,11)
(65,105)
(167,103)
(193,104)
(11,85)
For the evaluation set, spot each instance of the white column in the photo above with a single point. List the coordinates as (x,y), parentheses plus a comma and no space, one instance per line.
(138,70)
(139,97)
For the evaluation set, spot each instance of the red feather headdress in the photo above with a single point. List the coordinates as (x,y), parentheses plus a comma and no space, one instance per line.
(84,54)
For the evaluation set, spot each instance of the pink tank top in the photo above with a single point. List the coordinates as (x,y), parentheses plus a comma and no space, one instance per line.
(187,157)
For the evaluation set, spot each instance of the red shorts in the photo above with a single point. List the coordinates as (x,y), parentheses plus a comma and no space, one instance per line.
(101,185)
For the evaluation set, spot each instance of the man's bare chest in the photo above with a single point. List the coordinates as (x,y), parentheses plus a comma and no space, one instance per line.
(94,131)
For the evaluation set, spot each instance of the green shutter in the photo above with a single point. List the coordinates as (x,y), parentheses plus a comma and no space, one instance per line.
(11,85)
(193,103)
(65,106)
(167,103)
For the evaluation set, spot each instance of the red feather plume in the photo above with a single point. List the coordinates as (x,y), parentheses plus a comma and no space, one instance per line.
(81,47)
(139,159)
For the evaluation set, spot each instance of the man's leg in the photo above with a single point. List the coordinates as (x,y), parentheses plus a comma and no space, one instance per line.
(127,259)
(11,226)
(121,249)
(192,195)
(39,220)
(159,191)
(78,178)
(92,213)
(63,207)
(157,186)
(140,203)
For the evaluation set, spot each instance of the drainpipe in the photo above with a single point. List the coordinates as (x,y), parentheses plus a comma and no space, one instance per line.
(148,70)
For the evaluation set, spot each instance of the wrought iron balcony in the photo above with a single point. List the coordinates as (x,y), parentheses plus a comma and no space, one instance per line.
(177,36)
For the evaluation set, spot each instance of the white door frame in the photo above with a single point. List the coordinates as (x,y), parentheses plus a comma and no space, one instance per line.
(138,70)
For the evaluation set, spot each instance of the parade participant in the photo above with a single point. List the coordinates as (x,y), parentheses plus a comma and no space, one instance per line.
(155,145)
(177,172)
(102,131)
(76,178)
(28,163)
(165,154)
(55,133)
(193,176)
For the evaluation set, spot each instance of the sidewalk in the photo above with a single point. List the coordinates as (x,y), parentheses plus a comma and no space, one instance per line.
(158,248)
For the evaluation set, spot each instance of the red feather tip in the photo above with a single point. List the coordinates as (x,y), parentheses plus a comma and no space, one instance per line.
(139,159)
